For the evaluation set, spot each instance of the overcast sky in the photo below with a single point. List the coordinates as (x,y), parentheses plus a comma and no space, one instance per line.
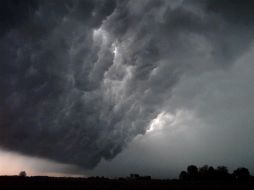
(109,87)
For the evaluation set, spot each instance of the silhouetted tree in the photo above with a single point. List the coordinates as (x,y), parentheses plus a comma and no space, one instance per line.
(183,175)
(203,172)
(134,176)
(22,174)
(241,174)
(211,169)
(222,169)
(192,171)
(211,172)
(221,172)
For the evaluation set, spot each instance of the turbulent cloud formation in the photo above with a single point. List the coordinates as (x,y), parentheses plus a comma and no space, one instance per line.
(209,121)
(80,79)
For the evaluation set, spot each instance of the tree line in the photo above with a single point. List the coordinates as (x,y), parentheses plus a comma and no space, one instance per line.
(210,173)
(194,173)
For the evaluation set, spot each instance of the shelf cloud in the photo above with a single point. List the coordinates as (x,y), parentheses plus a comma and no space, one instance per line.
(79,80)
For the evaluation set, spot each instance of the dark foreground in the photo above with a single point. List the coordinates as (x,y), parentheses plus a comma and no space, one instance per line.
(27,183)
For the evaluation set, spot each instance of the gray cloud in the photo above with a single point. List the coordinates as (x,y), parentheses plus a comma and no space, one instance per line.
(235,11)
(81,79)
(208,121)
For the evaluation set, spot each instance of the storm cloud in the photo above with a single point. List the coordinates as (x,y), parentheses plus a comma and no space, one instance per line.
(79,80)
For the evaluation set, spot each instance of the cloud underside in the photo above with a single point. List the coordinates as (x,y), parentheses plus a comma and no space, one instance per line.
(79,80)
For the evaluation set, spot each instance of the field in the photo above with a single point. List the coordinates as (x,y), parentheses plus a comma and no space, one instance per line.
(40,182)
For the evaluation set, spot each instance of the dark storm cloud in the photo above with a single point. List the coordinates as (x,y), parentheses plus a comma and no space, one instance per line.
(80,79)
(14,13)
(236,11)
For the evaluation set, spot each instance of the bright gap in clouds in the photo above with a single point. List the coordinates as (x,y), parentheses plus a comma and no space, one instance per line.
(160,121)
(170,120)
(115,49)
(100,36)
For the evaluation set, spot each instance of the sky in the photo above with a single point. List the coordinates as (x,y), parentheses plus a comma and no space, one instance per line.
(113,87)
